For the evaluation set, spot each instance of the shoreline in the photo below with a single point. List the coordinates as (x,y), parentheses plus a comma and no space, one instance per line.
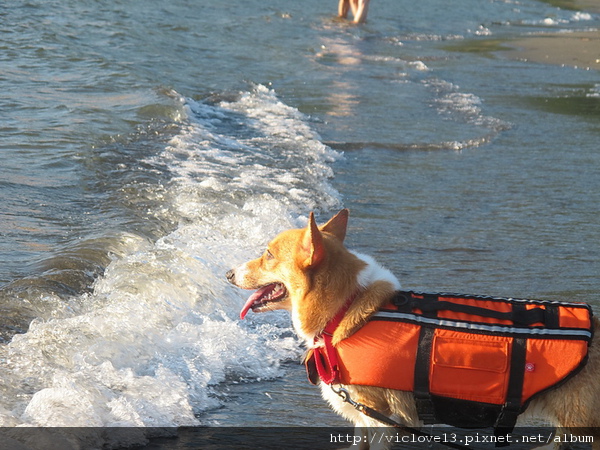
(580,49)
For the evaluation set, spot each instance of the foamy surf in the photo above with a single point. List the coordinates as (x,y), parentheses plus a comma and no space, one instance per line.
(160,330)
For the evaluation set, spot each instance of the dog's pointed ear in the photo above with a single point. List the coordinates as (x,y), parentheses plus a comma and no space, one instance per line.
(337,225)
(312,251)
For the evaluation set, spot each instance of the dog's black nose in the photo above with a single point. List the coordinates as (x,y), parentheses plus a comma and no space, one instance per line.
(230,276)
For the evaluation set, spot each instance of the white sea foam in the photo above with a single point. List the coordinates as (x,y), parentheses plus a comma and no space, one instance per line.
(561,18)
(452,102)
(581,16)
(594,92)
(160,328)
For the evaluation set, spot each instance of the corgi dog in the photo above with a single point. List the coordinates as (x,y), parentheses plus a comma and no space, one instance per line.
(359,9)
(310,273)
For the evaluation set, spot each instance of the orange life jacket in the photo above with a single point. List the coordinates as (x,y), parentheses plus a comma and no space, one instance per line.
(471,361)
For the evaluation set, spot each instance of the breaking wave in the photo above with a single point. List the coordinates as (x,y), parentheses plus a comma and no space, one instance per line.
(159,329)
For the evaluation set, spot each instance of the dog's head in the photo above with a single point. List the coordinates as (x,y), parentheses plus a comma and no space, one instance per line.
(305,268)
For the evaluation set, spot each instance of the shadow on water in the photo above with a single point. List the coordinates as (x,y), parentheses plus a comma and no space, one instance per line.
(485,47)
(584,106)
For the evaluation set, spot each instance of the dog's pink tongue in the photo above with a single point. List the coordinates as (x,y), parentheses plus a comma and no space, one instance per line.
(253,299)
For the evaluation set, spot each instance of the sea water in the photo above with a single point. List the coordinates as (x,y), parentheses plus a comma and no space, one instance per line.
(149,147)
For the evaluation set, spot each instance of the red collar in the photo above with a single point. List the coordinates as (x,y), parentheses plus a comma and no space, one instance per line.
(332,325)
(323,362)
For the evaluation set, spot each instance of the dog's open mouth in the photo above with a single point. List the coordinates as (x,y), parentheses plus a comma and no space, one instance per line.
(264,297)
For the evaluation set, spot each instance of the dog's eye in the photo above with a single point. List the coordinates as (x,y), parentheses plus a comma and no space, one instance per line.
(269,255)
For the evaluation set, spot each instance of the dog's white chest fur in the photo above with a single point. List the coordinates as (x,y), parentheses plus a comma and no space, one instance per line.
(373,272)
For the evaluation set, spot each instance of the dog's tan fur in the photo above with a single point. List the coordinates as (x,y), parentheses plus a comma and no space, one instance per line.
(359,8)
(320,274)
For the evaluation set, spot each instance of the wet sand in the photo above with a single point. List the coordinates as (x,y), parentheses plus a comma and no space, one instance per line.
(579,49)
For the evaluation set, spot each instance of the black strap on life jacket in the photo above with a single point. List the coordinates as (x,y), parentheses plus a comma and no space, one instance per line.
(423,399)
(430,304)
(512,407)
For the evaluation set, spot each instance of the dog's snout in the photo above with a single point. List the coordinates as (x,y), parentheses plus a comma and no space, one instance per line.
(230,276)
